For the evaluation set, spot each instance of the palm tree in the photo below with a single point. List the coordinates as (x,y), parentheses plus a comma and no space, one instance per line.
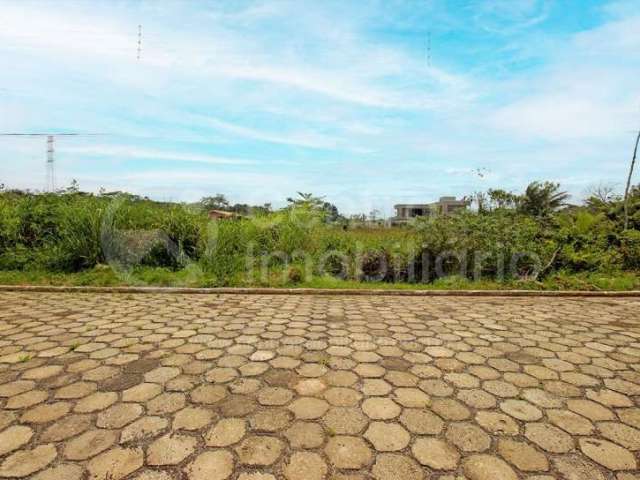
(541,199)
(306,200)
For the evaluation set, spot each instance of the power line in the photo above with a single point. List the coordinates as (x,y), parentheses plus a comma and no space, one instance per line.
(429,49)
(139,41)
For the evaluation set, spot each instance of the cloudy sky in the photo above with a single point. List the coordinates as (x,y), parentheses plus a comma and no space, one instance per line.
(260,99)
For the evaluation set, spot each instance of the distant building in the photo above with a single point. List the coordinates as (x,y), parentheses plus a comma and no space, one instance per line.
(222,215)
(445,206)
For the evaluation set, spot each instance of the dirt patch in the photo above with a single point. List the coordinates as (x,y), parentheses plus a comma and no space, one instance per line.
(281,378)
(521,357)
(121,382)
(141,366)
(394,363)
(238,406)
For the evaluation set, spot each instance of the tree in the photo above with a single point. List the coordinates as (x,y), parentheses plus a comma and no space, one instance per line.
(541,199)
(74,187)
(216,202)
(502,199)
(602,192)
(307,200)
(311,202)
(601,197)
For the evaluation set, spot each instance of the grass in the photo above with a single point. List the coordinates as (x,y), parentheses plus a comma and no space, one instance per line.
(104,276)
(68,239)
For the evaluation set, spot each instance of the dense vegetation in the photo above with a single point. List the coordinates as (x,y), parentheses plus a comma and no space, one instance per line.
(530,240)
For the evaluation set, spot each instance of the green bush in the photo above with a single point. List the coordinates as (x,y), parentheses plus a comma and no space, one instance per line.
(502,244)
(630,249)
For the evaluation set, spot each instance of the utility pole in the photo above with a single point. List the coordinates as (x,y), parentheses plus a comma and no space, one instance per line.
(51,173)
(626,190)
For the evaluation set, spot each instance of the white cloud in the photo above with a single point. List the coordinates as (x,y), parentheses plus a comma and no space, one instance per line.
(588,90)
(351,70)
(123,152)
(355,107)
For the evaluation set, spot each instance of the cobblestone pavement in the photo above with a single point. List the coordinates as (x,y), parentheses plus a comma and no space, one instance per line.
(241,387)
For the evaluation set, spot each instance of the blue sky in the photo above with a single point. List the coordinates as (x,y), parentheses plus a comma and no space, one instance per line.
(260,99)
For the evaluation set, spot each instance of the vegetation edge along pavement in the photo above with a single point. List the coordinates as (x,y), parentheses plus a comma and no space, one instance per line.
(321,291)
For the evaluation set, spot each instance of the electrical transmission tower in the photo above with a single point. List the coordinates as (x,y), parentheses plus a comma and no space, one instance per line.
(50,182)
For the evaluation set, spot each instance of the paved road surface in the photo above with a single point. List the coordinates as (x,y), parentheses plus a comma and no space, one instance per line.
(241,387)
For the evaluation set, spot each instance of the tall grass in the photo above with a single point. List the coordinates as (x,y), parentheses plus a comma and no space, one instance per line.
(75,232)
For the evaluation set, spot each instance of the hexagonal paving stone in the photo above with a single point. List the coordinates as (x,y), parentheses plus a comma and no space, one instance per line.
(25,462)
(215,465)
(387,437)
(570,422)
(259,451)
(142,429)
(226,432)
(95,402)
(66,427)
(274,396)
(548,437)
(305,435)
(381,408)
(375,387)
(14,437)
(342,397)
(348,452)
(170,449)
(192,418)
(307,408)
(608,454)
(391,466)
(345,420)
(575,466)
(411,397)
(270,420)
(497,423)
(488,467)
(66,471)
(46,413)
(468,437)
(621,434)
(522,455)
(116,463)
(436,454)
(305,466)
(89,444)
(591,410)
(450,409)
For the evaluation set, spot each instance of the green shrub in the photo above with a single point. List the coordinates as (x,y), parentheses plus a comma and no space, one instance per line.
(630,249)
(500,244)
